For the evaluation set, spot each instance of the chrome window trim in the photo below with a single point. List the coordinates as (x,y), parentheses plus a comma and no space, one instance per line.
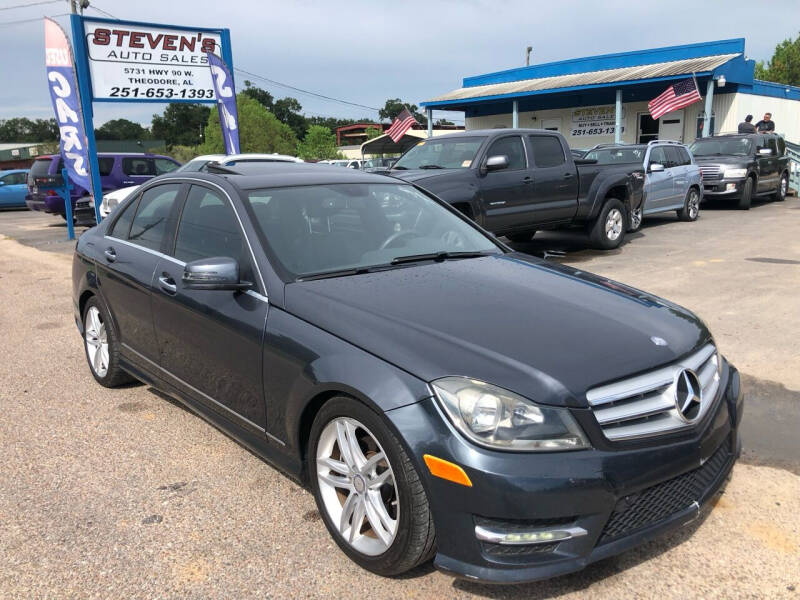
(144,249)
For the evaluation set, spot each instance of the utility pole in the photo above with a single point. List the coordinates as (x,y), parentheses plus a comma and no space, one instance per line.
(528,56)
(73,5)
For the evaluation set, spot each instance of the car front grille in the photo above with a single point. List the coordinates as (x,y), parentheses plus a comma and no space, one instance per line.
(645,405)
(661,501)
(710,172)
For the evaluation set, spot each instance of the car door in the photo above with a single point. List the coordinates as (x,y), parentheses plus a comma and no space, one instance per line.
(765,164)
(136,170)
(13,189)
(677,167)
(507,194)
(210,341)
(658,184)
(126,265)
(555,186)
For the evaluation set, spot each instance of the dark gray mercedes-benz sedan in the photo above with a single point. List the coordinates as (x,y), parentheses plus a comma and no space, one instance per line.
(441,395)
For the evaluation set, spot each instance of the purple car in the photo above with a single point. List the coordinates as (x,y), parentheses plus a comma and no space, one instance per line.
(117,170)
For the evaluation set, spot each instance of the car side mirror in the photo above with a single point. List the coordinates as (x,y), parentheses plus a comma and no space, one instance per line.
(217,273)
(496,163)
(655,168)
(765,152)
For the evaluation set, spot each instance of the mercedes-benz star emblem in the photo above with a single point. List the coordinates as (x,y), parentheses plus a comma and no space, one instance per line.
(688,395)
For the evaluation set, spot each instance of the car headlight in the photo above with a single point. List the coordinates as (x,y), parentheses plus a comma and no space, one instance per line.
(496,418)
(735,173)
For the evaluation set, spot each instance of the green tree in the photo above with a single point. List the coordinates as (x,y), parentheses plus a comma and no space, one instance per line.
(394,106)
(256,93)
(288,111)
(319,143)
(784,66)
(181,124)
(259,130)
(443,122)
(373,132)
(121,129)
(22,129)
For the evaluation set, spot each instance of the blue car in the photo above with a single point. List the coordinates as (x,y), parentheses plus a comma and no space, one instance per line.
(13,188)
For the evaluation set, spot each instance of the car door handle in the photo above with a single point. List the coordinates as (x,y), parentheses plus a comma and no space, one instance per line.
(167,283)
(527,180)
(567,175)
(111,254)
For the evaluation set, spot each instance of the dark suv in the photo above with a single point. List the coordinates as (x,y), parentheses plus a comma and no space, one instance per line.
(738,167)
(117,170)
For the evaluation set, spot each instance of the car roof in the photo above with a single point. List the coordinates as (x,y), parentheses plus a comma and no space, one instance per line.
(488,133)
(246,156)
(147,154)
(9,171)
(270,175)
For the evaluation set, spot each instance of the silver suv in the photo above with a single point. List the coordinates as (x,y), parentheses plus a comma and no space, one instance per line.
(672,178)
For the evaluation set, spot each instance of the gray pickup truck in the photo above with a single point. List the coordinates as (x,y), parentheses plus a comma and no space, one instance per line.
(514,182)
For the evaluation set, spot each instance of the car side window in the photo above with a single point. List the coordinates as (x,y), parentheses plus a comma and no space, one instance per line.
(208,227)
(153,216)
(781,146)
(106,165)
(122,225)
(136,165)
(547,151)
(685,158)
(673,157)
(657,156)
(511,147)
(772,144)
(14,179)
(162,165)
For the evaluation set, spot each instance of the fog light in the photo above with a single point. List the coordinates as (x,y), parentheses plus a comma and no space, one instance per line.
(731,187)
(518,538)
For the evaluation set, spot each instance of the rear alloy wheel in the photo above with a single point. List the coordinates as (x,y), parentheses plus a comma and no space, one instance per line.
(635,221)
(608,231)
(367,490)
(783,189)
(691,206)
(102,347)
(747,195)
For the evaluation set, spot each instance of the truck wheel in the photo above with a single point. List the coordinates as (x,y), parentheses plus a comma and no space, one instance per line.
(783,187)
(747,195)
(521,238)
(608,230)
(691,206)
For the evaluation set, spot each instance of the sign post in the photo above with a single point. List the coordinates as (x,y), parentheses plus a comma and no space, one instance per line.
(129,61)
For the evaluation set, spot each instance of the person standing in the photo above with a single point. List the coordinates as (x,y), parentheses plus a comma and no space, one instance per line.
(747,126)
(766,124)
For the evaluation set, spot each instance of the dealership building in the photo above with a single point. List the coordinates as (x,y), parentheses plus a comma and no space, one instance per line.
(603,99)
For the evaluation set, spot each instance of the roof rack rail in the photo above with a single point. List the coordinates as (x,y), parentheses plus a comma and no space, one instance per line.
(651,142)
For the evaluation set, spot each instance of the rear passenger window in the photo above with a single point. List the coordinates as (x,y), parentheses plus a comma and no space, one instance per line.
(162,165)
(208,228)
(138,166)
(685,158)
(106,164)
(547,151)
(122,225)
(772,144)
(153,216)
(781,147)
(512,148)
(673,157)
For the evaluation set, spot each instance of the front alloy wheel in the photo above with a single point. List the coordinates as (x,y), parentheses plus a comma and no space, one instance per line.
(357,486)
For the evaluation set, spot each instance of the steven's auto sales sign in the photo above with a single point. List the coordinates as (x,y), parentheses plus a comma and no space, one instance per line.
(134,62)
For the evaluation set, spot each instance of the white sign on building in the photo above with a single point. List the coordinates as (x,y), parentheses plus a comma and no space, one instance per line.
(140,62)
(594,120)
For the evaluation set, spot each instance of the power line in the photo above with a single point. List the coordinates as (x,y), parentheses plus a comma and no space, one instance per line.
(6,23)
(27,4)
(105,12)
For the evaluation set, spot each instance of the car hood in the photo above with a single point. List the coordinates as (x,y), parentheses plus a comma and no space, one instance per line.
(414,175)
(722,160)
(543,330)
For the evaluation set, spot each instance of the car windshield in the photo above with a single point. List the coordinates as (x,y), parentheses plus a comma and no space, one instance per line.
(327,229)
(731,146)
(611,156)
(449,153)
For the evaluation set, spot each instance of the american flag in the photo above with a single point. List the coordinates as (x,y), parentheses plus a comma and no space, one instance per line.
(674,97)
(401,124)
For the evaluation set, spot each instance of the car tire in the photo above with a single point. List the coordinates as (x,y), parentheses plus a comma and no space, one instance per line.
(401,493)
(783,187)
(521,238)
(101,344)
(691,206)
(636,218)
(747,195)
(608,230)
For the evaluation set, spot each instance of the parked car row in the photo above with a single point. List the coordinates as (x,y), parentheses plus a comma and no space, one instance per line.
(444,397)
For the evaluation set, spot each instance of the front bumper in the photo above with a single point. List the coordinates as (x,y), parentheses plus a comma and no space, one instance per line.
(620,496)
(727,188)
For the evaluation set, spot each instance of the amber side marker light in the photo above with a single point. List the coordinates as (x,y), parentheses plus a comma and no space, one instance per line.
(446,470)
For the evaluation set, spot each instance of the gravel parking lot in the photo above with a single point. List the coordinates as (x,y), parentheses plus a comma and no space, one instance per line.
(123,493)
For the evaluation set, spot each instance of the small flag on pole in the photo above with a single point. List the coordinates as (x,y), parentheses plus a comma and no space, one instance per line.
(402,123)
(676,96)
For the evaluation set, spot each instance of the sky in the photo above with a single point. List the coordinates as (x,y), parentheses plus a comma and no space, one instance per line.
(367,51)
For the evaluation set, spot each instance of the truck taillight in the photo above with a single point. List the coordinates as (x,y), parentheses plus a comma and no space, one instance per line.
(52,193)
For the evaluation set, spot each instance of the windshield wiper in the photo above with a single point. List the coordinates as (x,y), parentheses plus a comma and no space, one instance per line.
(401,168)
(438,256)
(431,167)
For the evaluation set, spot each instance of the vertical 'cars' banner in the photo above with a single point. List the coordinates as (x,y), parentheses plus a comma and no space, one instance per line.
(226,102)
(66,103)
